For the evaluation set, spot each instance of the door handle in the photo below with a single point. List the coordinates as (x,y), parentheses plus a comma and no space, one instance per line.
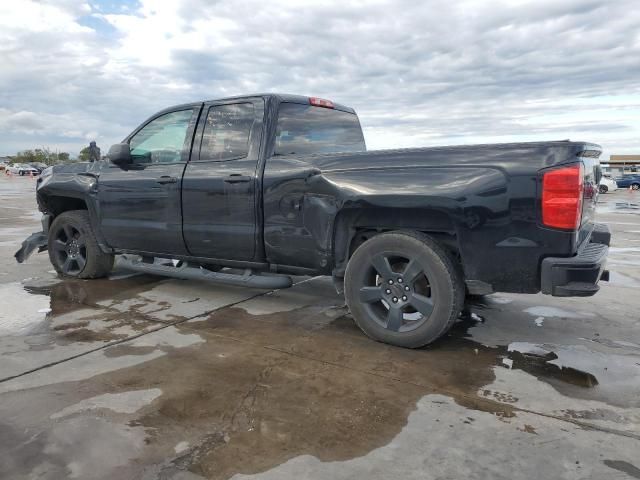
(166,179)
(237,178)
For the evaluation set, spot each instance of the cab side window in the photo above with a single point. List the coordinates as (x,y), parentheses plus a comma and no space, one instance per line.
(162,139)
(226,132)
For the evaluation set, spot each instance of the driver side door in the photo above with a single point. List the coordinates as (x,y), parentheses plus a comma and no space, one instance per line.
(139,204)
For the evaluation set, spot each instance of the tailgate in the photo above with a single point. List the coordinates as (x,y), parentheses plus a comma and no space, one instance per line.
(592,175)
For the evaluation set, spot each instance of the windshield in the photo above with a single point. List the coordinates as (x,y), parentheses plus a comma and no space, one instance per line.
(305,129)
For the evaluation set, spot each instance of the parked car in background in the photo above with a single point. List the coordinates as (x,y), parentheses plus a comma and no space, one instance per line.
(23,169)
(38,166)
(607,184)
(627,181)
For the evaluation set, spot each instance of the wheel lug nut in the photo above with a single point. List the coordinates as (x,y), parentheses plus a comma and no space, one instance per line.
(390,282)
(406,287)
(395,299)
(387,291)
(404,298)
(400,280)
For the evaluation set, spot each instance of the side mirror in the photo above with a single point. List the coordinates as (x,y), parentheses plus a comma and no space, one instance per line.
(120,154)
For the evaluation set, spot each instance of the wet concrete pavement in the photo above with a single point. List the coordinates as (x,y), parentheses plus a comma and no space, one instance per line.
(144,377)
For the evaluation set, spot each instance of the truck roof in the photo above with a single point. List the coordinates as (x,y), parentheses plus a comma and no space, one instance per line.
(279,97)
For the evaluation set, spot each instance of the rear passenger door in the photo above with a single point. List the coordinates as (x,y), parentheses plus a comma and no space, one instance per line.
(220,184)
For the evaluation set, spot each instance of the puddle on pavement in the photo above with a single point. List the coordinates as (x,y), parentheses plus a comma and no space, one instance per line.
(73,316)
(125,402)
(69,295)
(574,370)
(21,312)
(542,366)
(44,320)
(258,390)
(264,389)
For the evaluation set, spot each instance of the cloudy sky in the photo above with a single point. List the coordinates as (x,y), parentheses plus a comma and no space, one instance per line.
(419,73)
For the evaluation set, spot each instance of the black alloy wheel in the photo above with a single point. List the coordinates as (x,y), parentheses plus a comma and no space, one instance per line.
(403,288)
(396,292)
(73,248)
(69,248)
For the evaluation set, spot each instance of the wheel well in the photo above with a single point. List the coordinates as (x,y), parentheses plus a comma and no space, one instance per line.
(353,228)
(57,205)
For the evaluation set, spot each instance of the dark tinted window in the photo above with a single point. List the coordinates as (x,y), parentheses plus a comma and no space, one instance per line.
(226,133)
(162,139)
(306,129)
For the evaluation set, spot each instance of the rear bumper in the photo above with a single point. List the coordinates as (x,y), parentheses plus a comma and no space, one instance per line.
(578,276)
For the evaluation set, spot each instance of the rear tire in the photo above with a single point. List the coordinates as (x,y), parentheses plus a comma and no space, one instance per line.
(603,189)
(423,300)
(73,249)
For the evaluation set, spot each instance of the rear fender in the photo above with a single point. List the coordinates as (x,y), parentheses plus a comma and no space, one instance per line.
(354,226)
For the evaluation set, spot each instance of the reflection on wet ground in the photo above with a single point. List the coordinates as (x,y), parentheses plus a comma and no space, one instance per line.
(72,295)
(540,363)
(249,391)
(142,377)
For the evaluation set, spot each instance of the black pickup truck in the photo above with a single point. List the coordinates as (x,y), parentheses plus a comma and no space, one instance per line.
(247,190)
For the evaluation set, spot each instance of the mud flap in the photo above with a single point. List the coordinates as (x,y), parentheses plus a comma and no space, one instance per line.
(35,240)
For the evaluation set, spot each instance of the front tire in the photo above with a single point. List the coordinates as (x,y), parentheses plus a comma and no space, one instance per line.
(603,189)
(403,289)
(635,186)
(73,249)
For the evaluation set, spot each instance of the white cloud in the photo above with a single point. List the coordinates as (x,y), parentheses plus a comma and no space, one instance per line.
(419,73)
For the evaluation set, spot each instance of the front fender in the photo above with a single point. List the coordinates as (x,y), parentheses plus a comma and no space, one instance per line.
(65,191)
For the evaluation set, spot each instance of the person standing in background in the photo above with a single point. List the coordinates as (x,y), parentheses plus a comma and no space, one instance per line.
(94,152)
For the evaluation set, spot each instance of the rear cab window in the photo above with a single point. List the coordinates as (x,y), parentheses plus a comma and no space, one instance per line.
(307,129)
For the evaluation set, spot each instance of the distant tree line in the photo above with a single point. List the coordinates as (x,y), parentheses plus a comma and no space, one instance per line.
(42,155)
(48,157)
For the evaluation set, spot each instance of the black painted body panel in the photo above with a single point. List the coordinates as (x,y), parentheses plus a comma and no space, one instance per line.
(306,212)
(138,213)
(488,194)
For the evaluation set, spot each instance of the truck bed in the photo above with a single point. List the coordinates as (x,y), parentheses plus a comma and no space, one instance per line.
(485,196)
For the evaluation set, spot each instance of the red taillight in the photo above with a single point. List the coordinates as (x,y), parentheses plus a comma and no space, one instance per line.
(562,191)
(321,102)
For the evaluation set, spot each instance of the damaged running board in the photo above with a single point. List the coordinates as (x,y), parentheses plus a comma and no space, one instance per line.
(188,271)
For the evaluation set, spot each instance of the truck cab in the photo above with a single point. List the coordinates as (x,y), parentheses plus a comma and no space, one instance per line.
(192,179)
